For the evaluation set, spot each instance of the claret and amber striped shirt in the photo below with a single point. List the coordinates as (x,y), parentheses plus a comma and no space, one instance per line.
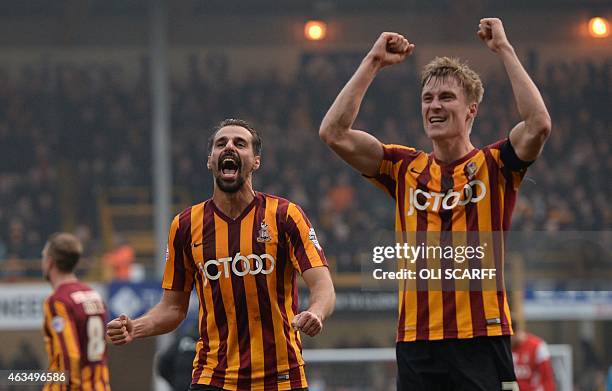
(244,271)
(74,326)
(466,202)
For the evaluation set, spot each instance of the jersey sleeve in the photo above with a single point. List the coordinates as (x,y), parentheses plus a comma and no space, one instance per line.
(305,251)
(508,156)
(64,340)
(179,272)
(512,168)
(49,347)
(393,156)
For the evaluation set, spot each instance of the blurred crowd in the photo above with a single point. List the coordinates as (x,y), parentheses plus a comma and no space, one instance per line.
(67,132)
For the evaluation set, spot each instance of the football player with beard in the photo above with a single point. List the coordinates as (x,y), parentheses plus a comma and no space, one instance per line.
(242,249)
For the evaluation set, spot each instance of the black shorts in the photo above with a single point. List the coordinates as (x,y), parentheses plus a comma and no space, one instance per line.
(204,387)
(473,364)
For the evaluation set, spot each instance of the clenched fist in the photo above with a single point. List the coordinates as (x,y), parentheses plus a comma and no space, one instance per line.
(308,323)
(120,331)
(390,48)
(491,31)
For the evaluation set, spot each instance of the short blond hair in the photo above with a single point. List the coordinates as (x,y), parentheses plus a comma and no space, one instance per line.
(65,249)
(442,67)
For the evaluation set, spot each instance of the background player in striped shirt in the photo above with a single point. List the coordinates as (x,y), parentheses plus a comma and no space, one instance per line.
(75,316)
(242,250)
(451,334)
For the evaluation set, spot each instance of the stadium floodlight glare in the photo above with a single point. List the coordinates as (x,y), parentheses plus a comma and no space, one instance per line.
(599,27)
(315,30)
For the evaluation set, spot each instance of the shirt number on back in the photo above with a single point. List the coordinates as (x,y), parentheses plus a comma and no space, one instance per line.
(95,338)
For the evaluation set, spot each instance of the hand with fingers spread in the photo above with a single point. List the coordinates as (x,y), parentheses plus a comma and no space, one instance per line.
(491,31)
(390,48)
(120,331)
(308,323)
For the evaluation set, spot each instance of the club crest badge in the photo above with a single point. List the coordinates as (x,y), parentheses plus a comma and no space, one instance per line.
(58,324)
(471,169)
(264,233)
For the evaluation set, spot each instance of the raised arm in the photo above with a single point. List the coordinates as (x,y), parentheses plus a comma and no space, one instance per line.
(360,149)
(529,135)
(322,301)
(161,319)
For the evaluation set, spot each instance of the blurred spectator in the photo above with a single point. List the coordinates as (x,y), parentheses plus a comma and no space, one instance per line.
(13,268)
(120,260)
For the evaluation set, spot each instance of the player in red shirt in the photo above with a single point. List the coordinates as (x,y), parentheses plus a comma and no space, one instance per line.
(532,364)
(75,316)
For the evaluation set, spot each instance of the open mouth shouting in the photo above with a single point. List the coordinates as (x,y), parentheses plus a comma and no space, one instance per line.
(229,166)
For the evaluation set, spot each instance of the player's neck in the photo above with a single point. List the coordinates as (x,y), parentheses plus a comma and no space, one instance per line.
(60,278)
(233,204)
(451,149)
(518,338)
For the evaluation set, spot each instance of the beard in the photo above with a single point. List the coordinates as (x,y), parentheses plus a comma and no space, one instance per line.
(234,185)
(230,187)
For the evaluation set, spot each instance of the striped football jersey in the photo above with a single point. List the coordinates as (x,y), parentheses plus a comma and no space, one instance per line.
(74,327)
(467,203)
(244,271)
